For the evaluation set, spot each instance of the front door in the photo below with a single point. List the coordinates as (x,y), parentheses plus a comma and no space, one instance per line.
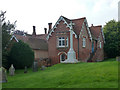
(92,47)
(62,57)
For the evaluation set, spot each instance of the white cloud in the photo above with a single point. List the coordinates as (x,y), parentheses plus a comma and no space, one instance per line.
(41,12)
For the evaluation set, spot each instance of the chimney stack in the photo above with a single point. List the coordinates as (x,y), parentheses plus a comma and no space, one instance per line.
(50,25)
(34,32)
(45,30)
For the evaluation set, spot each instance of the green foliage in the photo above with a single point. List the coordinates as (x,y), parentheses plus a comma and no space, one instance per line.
(112,38)
(81,75)
(5,40)
(5,59)
(5,35)
(21,55)
(6,29)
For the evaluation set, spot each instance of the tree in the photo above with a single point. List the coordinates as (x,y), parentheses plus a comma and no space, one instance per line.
(7,28)
(112,38)
(19,32)
(118,34)
(21,55)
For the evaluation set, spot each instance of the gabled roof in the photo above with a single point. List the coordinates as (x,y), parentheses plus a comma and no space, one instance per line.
(42,36)
(95,31)
(77,27)
(78,24)
(35,43)
(66,19)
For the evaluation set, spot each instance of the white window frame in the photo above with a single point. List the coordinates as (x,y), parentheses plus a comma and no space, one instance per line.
(84,42)
(63,39)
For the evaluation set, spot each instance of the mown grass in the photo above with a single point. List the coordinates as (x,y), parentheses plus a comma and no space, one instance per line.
(81,75)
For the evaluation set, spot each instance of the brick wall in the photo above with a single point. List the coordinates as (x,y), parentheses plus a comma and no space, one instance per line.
(53,50)
(84,52)
(40,54)
(99,55)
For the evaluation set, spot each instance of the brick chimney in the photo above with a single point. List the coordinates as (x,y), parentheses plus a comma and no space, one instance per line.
(34,31)
(50,27)
(45,30)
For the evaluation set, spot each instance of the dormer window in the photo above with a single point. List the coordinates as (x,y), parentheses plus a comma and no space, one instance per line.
(84,42)
(62,42)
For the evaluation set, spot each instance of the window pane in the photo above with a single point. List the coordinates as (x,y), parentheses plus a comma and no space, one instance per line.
(59,37)
(63,42)
(84,42)
(59,43)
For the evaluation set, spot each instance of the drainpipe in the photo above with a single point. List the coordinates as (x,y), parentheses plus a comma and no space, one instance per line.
(78,47)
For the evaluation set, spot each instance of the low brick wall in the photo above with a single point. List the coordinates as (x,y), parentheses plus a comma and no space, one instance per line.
(44,61)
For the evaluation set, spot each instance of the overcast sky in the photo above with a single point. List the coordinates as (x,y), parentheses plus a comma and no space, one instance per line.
(41,12)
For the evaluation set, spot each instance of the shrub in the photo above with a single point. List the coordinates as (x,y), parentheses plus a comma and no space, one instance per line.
(112,38)
(21,55)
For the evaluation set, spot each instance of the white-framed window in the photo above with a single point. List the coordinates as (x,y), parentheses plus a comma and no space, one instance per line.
(62,42)
(84,42)
(100,45)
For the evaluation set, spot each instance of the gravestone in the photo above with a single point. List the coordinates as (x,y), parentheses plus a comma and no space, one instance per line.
(35,66)
(12,70)
(118,58)
(4,76)
(43,67)
(25,71)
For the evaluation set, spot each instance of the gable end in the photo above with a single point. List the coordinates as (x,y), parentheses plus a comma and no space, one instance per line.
(89,33)
(57,23)
(13,36)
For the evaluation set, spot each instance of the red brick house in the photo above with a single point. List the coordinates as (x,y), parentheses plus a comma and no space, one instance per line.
(69,41)
(72,40)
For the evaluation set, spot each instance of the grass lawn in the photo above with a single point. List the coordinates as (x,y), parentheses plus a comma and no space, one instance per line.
(81,75)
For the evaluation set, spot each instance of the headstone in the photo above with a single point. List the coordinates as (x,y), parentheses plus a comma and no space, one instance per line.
(118,58)
(12,70)
(4,76)
(43,67)
(25,71)
(35,66)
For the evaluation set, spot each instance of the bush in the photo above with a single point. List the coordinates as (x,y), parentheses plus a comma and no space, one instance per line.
(5,59)
(112,38)
(21,55)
